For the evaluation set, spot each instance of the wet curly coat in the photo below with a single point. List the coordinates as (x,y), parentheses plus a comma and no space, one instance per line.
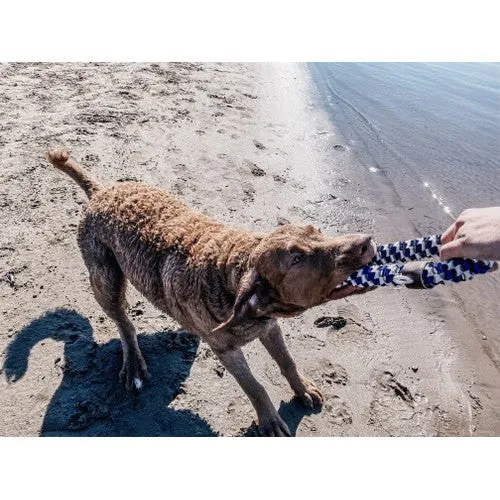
(226,285)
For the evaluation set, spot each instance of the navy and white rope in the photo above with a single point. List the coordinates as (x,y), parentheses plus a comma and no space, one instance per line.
(388,265)
(405,251)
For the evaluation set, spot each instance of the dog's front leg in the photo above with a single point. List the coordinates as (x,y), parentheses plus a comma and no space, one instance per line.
(306,391)
(270,423)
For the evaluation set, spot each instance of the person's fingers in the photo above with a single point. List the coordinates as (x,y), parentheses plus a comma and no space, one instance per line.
(448,235)
(451,233)
(454,249)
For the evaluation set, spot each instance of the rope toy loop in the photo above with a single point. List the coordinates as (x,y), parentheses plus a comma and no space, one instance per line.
(397,264)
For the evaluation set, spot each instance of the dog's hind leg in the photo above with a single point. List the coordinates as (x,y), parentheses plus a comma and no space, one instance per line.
(109,284)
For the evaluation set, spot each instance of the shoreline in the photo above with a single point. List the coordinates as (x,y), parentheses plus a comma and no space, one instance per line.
(250,145)
(414,217)
(456,307)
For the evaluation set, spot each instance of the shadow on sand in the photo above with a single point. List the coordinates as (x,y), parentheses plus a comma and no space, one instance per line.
(90,401)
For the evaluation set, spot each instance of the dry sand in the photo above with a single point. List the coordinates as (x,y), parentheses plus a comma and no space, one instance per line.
(249,145)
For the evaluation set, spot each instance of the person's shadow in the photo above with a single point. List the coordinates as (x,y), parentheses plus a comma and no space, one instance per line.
(90,401)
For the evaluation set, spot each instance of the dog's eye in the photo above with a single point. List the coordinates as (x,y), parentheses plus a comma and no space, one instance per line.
(297,258)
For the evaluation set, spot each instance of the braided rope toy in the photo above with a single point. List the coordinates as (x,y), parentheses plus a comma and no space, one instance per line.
(395,264)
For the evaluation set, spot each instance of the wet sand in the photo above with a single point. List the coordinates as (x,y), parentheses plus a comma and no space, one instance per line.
(250,145)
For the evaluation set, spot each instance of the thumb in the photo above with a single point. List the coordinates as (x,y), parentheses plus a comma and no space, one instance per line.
(453,249)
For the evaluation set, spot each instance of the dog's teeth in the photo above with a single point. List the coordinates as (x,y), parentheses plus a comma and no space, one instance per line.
(137,383)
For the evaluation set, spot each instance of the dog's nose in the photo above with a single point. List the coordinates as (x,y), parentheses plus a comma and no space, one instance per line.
(365,248)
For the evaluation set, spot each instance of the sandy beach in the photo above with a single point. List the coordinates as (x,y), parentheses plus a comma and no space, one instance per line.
(250,145)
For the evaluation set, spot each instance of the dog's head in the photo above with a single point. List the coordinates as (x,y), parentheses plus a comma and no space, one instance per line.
(295,268)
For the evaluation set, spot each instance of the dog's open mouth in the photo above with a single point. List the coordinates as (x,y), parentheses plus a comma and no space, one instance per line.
(343,290)
(369,256)
(337,289)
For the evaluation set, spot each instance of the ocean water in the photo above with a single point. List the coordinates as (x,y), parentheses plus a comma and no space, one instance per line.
(425,138)
(431,130)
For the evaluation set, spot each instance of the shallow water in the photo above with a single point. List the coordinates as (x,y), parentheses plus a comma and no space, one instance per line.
(429,135)
(427,127)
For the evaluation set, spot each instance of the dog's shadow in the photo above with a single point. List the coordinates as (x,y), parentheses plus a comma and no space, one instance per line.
(90,401)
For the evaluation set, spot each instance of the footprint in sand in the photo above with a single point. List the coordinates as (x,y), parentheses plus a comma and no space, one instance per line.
(282,221)
(337,411)
(248,192)
(257,171)
(389,383)
(393,405)
(279,178)
(254,169)
(356,316)
(91,159)
(333,373)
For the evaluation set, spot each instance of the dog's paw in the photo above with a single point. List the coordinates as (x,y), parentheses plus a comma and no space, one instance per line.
(308,394)
(134,373)
(273,426)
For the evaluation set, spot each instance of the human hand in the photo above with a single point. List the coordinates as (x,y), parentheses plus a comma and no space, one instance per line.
(475,235)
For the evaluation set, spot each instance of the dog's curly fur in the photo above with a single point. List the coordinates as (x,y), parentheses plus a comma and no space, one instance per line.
(226,285)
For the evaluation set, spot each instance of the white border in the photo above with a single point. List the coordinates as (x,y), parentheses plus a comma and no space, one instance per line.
(226,30)
(249,31)
(249,468)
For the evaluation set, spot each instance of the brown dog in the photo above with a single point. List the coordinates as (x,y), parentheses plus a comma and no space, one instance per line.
(225,285)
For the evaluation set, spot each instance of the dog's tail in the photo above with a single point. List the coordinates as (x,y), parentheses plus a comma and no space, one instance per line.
(61,160)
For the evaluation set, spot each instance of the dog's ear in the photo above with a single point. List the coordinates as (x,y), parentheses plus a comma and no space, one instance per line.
(253,296)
